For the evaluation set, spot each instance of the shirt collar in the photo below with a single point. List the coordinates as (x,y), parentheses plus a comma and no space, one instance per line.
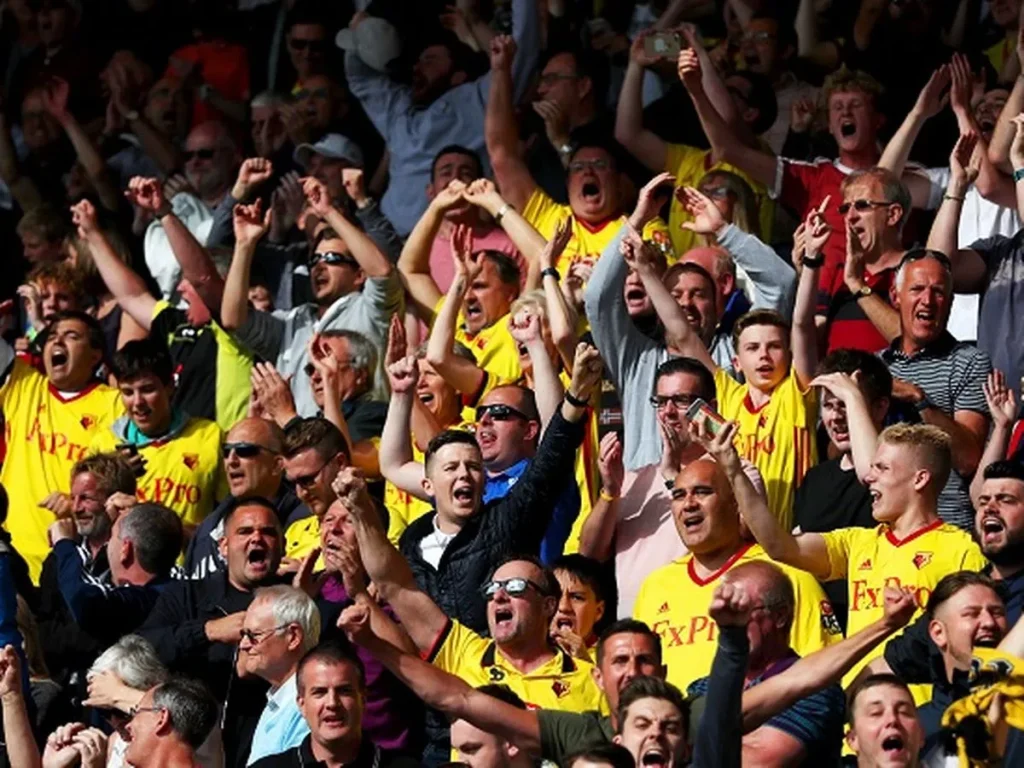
(941,347)
(286,692)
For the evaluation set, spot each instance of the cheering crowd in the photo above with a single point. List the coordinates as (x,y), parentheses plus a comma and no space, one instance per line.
(587,383)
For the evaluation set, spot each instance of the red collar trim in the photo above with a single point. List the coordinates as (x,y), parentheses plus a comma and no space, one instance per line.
(593,228)
(692,571)
(57,394)
(919,532)
(749,404)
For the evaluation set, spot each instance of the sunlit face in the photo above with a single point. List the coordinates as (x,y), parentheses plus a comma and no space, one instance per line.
(870,225)
(337,529)
(270,647)
(332,281)
(68,357)
(763,356)
(696,297)
(439,397)
(455,479)
(307,48)
(853,120)
(975,617)
(503,441)
(890,481)
(55,298)
(999,523)
(593,185)
(578,609)
(833,417)
(488,298)
(638,303)
(512,619)
(141,731)
(923,300)
(147,400)
(886,731)
(252,545)
(252,475)
(676,392)
(625,656)
(704,508)
(332,700)
(654,732)
(88,500)
(480,749)
(312,476)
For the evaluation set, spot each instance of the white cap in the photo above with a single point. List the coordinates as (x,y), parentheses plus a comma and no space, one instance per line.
(332,145)
(374,40)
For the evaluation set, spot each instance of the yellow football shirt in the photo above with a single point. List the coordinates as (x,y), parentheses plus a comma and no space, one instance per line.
(562,683)
(587,242)
(493,347)
(777,438)
(673,601)
(183,472)
(47,433)
(871,559)
(690,165)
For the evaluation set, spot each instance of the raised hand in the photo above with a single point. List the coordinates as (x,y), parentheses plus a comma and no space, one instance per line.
(639,256)
(843,385)
(350,487)
(29,294)
(10,673)
(286,201)
(799,247)
(305,579)
(963,169)
(397,342)
(931,99)
(672,447)
(638,52)
(60,529)
(1002,403)
(451,195)
(148,195)
(730,605)
(58,503)
(250,223)
(92,746)
(586,372)
(556,122)
(707,219)
(353,182)
(801,115)
(403,375)
(176,185)
(467,265)
(854,266)
(689,71)
(273,392)
(55,98)
(354,621)
(649,201)
(118,503)
(503,50)
(816,230)
(1017,145)
(317,196)
(719,444)
(525,327)
(962,85)
(898,607)
(609,463)
(553,249)
(253,172)
(61,750)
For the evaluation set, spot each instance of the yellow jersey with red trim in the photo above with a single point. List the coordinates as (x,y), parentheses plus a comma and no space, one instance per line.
(689,165)
(563,682)
(777,438)
(47,432)
(673,601)
(184,472)
(493,347)
(587,242)
(588,477)
(871,559)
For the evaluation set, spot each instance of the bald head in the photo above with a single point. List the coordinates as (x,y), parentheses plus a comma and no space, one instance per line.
(770,588)
(253,458)
(260,431)
(704,509)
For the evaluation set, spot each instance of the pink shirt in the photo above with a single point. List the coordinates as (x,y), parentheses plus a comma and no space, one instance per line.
(645,534)
(484,239)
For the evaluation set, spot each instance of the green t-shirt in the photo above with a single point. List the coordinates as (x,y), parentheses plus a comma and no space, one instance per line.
(562,733)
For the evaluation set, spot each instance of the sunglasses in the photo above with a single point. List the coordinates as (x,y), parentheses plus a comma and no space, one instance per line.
(500,412)
(863,205)
(202,154)
(513,587)
(255,637)
(243,450)
(333,258)
(679,401)
(917,254)
(716,193)
(309,369)
(301,44)
(306,481)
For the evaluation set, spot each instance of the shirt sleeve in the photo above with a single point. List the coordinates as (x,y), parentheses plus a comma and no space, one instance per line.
(542,212)
(379,228)
(381,98)
(909,652)
(262,333)
(814,625)
(562,733)
(968,391)
(813,720)
(838,543)
(457,646)
(384,293)
(773,281)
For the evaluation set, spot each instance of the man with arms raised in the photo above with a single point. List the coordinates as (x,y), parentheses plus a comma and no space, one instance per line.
(51,420)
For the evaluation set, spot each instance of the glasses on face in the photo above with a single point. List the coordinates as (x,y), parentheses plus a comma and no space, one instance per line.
(310,369)
(513,587)
(202,154)
(500,412)
(333,258)
(758,37)
(302,43)
(679,401)
(716,193)
(579,166)
(136,710)
(917,254)
(243,450)
(862,205)
(306,481)
(255,637)
(550,78)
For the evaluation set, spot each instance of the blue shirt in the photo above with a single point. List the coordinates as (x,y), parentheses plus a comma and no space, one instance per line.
(564,515)
(281,725)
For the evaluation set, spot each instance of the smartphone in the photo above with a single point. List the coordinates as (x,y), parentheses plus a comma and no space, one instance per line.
(665,45)
(700,413)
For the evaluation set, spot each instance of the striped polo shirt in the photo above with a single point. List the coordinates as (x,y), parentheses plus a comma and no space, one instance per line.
(951,373)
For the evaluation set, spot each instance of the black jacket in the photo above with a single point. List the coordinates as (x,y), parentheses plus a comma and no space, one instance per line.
(177,629)
(510,525)
(301,756)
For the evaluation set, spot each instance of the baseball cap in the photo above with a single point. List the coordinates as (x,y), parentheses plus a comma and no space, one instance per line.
(332,145)
(374,40)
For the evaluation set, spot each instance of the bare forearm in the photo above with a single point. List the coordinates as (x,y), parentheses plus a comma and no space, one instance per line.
(995,450)
(885,319)
(395,445)
(500,132)
(21,743)
(678,333)
(546,386)
(897,151)
(597,536)
(235,305)
(804,331)
(384,628)
(863,436)
(943,234)
(779,543)
(442,333)
(126,286)
(156,145)
(364,250)
(649,148)
(196,265)
(563,330)
(332,412)
(1002,135)
(965,445)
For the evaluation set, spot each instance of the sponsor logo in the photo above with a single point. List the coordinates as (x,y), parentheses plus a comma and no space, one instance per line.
(87,421)
(865,566)
(165,490)
(699,629)
(496,674)
(663,608)
(867,597)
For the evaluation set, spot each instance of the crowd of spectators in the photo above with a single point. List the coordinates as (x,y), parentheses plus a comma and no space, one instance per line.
(507,383)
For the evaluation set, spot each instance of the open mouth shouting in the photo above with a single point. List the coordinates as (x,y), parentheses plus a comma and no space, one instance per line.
(503,618)
(894,747)
(565,621)
(591,192)
(257,560)
(847,128)
(59,358)
(463,494)
(655,755)
(993,529)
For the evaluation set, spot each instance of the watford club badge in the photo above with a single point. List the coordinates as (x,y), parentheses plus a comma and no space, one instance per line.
(191,460)
(921,559)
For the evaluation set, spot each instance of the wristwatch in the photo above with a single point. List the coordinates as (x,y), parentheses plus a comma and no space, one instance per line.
(814,263)
(864,291)
(923,404)
(552,272)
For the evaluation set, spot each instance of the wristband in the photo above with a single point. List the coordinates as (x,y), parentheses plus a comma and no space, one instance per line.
(923,404)
(501,213)
(571,399)
(814,263)
(552,272)
(1018,174)
(565,149)
(960,199)
(607,496)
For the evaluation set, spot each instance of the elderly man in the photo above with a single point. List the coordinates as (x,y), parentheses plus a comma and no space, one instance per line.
(169,725)
(281,625)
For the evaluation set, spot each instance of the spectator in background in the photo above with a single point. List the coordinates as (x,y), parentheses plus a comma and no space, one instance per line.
(169,724)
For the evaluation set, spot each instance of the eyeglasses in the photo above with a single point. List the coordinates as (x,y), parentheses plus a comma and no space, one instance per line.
(255,637)
(578,166)
(500,412)
(758,37)
(679,401)
(332,258)
(135,710)
(309,369)
(306,481)
(863,205)
(550,78)
(916,254)
(514,587)
(243,450)
(716,193)
(301,44)
(202,154)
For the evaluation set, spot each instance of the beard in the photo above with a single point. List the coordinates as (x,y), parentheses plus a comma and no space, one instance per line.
(1010,554)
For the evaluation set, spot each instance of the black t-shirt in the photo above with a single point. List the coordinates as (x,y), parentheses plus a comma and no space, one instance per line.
(830,498)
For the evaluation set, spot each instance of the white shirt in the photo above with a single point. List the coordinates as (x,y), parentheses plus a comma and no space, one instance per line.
(432,546)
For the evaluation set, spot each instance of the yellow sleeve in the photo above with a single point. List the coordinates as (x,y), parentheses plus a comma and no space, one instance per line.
(729,392)
(543,213)
(20,373)
(456,647)
(839,543)
(642,608)
(682,160)
(972,559)
(814,625)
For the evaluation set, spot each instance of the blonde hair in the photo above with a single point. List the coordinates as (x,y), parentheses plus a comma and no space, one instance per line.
(844,80)
(931,445)
(745,214)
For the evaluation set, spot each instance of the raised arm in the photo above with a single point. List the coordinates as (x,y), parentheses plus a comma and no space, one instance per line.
(885,319)
(804,333)
(561,318)
(806,551)
(525,328)
(726,145)
(155,144)
(388,570)
(22,749)
(500,130)
(395,454)
(645,145)
(1002,135)
(597,537)
(863,433)
(363,249)
(250,225)
(1002,404)
(528,240)
(126,286)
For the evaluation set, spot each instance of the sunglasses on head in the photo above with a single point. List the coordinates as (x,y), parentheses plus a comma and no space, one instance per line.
(333,258)
(243,450)
(500,412)
(514,587)
(863,205)
(917,254)
(202,154)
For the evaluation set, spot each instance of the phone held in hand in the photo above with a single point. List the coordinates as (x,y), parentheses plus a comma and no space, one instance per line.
(664,45)
(701,414)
